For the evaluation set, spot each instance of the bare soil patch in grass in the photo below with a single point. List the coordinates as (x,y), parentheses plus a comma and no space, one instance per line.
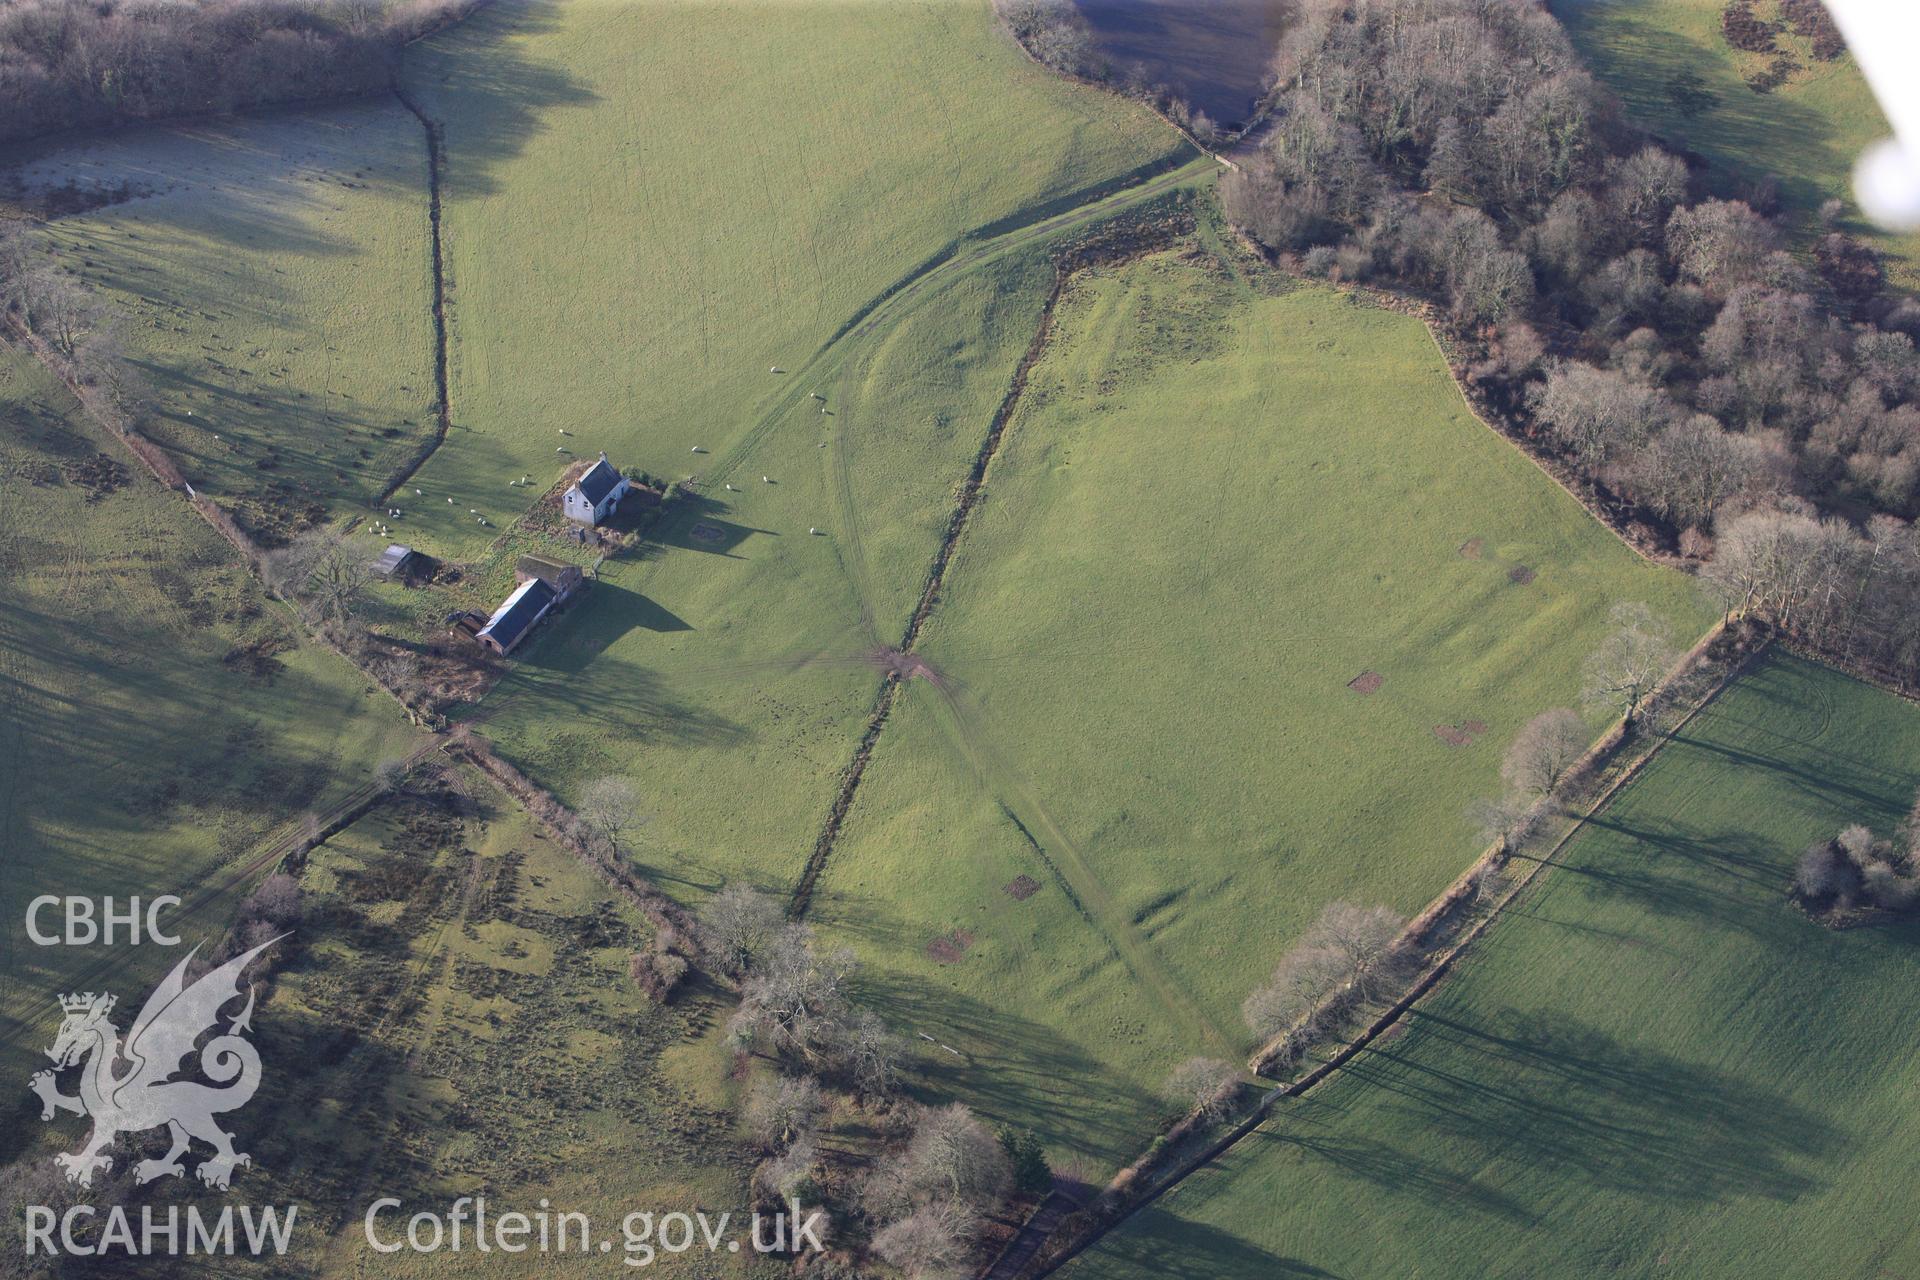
(1472,548)
(1520,575)
(1366,682)
(907,666)
(1021,887)
(950,948)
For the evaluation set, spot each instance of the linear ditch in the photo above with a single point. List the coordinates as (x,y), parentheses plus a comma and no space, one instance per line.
(443,408)
(929,595)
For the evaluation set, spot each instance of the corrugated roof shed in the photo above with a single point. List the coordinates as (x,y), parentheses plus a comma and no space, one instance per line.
(521,610)
(392,559)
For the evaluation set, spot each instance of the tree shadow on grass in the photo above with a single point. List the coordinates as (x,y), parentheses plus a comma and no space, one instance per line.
(1739,135)
(1726,881)
(1560,1097)
(1011,1069)
(476,81)
(622,697)
(1160,1242)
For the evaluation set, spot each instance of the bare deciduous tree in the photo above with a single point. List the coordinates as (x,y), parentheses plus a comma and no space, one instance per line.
(954,1158)
(796,995)
(1599,414)
(1300,984)
(871,1053)
(1549,745)
(1504,821)
(739,922)
(1720,244)
(610,807)
(1346,946)
(1625,671)
(931,1242)
(1695,467)
(1202,1086)
(1363,937)
(323,572)
(783,1110)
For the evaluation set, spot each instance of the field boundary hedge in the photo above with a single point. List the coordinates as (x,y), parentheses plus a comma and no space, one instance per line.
(443,399)
(566,827)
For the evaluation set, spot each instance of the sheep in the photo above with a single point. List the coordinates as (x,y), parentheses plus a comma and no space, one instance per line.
(766,479)
(698,449)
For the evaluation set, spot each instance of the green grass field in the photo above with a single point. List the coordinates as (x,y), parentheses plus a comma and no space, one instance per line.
(1216,507)
(723,670)
(648,207)
(1806,133)
(158,716)
(1654,1065)
(272,276)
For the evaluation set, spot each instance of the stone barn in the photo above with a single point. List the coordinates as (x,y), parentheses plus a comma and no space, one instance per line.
(515,618)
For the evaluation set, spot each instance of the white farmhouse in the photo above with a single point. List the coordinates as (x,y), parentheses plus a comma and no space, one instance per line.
(593,497)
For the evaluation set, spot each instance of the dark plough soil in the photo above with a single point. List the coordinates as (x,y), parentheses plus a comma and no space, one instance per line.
(1520,575)
(1021,887)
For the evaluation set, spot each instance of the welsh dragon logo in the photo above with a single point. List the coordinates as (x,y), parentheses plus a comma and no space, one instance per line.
(144,1095)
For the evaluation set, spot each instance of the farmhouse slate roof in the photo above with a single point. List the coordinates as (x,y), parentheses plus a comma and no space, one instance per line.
(545,568)
(598,482)
(520,611)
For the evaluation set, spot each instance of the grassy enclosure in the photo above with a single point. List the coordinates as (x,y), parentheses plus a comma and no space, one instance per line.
(160,715)
(1219,503)
(1806,133)
(273,280)
(1655,1064)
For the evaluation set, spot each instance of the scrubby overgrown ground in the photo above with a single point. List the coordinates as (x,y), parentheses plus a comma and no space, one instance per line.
(1220,502)
(1661,55)
(455,1020)
(1653,1064)
(159,715)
